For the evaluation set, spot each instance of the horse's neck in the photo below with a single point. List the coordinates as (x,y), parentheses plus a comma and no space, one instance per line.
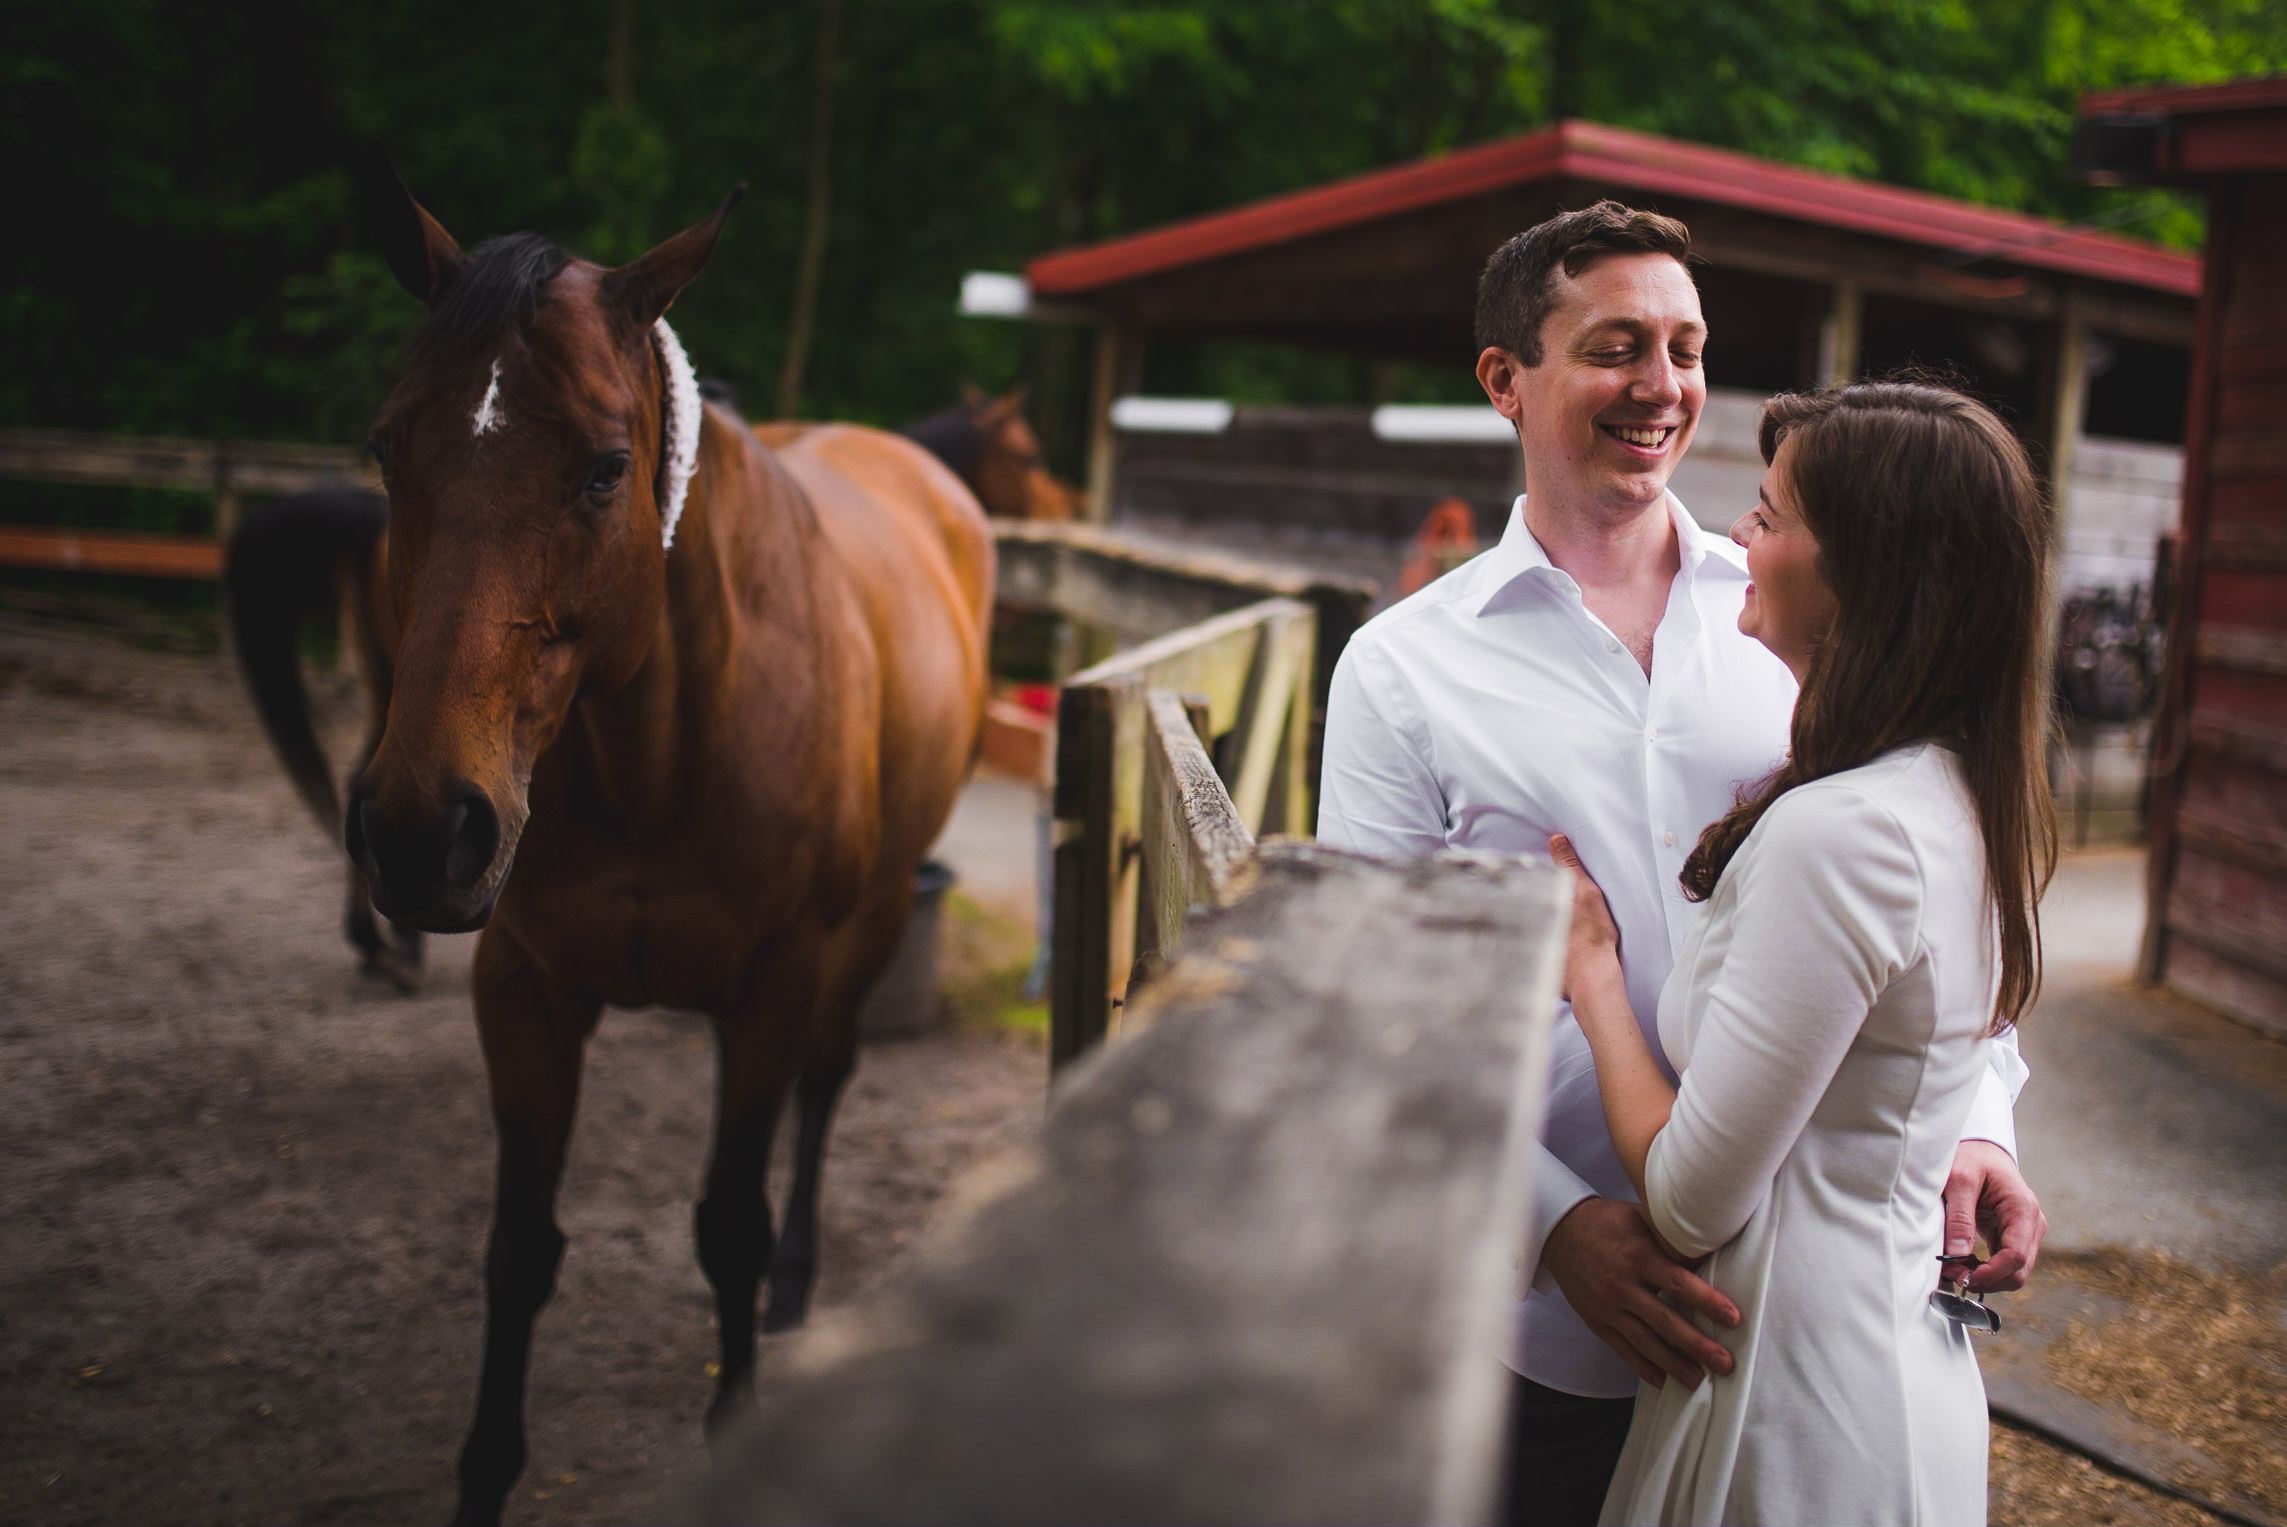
(730,558)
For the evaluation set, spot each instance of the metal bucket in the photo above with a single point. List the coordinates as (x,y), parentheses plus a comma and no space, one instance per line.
(904,1000)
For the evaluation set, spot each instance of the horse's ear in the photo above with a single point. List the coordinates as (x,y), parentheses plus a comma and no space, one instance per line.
(644,288)
(972,396)
(420,252)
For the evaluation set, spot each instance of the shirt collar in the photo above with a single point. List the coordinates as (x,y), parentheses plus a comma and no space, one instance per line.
(1519,554)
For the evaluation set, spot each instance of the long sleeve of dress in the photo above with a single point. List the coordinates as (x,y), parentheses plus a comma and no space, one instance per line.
(1827,913)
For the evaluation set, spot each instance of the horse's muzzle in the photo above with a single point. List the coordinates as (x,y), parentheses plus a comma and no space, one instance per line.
(429,869)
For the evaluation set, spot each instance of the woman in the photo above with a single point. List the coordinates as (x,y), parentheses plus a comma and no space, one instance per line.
(1870,922)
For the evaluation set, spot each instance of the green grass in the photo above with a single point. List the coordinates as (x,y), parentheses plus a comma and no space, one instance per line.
(983,957)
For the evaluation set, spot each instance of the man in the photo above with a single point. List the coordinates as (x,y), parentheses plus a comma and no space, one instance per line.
(1587,676)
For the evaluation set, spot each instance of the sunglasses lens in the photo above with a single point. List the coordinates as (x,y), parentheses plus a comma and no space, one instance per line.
(1964,1312)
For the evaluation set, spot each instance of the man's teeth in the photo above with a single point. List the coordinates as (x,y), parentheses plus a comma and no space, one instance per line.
(1640,436)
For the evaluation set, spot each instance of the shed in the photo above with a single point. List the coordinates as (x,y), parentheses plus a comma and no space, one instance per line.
(1808,277)
(2217,927)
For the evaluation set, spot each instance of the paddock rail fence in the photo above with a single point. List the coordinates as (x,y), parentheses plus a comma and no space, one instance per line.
(1256,1266)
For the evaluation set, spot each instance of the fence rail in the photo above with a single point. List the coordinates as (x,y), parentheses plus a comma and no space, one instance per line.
(1255,1264)
(1243,681)
(228,469)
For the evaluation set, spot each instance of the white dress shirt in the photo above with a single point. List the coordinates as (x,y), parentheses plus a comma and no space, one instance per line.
(1490,710)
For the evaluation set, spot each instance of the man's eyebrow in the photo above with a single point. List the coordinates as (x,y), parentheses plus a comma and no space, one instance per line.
(1637,325)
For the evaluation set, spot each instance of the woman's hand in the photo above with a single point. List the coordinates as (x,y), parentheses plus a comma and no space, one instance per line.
(1595,938)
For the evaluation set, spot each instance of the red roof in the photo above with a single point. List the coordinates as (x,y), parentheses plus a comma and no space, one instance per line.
(2188,100)
(1641,162)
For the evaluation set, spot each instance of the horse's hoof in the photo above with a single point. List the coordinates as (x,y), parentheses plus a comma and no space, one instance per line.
(785,1312)
(724,1410)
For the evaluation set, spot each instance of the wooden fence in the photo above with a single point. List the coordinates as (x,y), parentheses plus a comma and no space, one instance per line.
(1227,685)
(1257,1265)
(1247,647)
(228,469)
(1146,828)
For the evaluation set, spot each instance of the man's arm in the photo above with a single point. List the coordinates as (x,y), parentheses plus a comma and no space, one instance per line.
(1986,1193)
(1378,794)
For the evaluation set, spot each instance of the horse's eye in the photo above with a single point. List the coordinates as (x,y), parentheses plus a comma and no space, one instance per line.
(606,477)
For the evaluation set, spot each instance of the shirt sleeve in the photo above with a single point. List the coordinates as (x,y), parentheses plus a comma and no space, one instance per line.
(1827,916)
(1376,791)
(1557,1191)
(1991,1112)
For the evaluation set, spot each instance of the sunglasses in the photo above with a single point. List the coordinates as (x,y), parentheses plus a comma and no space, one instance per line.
(1952,1297)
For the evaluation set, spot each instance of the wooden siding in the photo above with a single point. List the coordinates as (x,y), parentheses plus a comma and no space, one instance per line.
(2220,840)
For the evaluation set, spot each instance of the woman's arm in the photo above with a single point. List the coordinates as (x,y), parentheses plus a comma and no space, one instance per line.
(1636,1093)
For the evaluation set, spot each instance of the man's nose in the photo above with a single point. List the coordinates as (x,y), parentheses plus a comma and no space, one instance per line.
(1659,382)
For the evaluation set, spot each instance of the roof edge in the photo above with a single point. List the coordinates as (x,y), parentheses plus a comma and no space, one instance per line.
(1642,161)
(2253,93)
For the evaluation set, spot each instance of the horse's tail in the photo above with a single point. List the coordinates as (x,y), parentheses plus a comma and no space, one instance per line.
(281,564)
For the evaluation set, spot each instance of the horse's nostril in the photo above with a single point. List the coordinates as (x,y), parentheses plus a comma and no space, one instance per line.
(472,838)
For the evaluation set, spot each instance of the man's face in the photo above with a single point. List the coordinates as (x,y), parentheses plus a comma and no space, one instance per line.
(1610,410)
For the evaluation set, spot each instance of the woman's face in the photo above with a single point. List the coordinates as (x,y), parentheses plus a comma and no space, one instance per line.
(1789,607)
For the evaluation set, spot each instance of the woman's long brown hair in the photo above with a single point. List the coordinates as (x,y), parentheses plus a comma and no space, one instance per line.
(1933,536)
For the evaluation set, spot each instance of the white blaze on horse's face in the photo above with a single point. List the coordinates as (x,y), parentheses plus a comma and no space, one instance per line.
(487,417)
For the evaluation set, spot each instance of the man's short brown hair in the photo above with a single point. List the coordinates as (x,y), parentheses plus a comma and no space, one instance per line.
(1517,292)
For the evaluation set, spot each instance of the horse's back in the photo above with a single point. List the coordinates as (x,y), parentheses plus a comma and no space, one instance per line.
(918,551)
(881,497)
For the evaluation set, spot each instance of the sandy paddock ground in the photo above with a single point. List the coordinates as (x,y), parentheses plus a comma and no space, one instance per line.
(243,1192)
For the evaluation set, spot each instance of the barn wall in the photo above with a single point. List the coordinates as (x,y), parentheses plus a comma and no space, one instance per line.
(2222,875)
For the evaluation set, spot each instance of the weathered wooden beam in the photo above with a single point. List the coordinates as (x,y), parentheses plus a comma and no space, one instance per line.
(2246,549)
(2238,740)
(1256,1266)
(1282,662)
(196,466)
(1197,852)
(110,551)
(2242,649)
(1143,590)
(1099,797)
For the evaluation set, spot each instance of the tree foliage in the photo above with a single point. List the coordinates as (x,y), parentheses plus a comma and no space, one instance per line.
(187,260)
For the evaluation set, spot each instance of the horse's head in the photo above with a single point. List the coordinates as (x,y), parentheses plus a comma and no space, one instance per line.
(1012,473)
(523,453)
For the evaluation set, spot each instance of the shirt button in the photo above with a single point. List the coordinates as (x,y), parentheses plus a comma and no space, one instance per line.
(1669,839)
(1610,645)
(1651,734)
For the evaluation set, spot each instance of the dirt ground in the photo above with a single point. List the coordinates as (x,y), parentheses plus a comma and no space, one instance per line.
(243,1192)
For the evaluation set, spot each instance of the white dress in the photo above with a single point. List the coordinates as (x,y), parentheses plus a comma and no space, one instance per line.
(1827,1016)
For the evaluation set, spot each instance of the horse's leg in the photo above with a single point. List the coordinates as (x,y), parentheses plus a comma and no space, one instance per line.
(795,1267)
(866,949)
(760,1050)
(533,1034)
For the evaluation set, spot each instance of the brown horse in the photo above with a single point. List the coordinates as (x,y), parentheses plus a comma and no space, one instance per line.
(990,443)
(690,759)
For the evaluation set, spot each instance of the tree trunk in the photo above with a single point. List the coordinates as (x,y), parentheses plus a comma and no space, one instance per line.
(619,80)
(821,208)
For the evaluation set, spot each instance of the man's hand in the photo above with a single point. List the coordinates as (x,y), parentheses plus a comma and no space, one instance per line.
(1613,1270)
(1987,1195)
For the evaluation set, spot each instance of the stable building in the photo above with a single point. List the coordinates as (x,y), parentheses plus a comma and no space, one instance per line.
(2082,338)
(2217,926)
